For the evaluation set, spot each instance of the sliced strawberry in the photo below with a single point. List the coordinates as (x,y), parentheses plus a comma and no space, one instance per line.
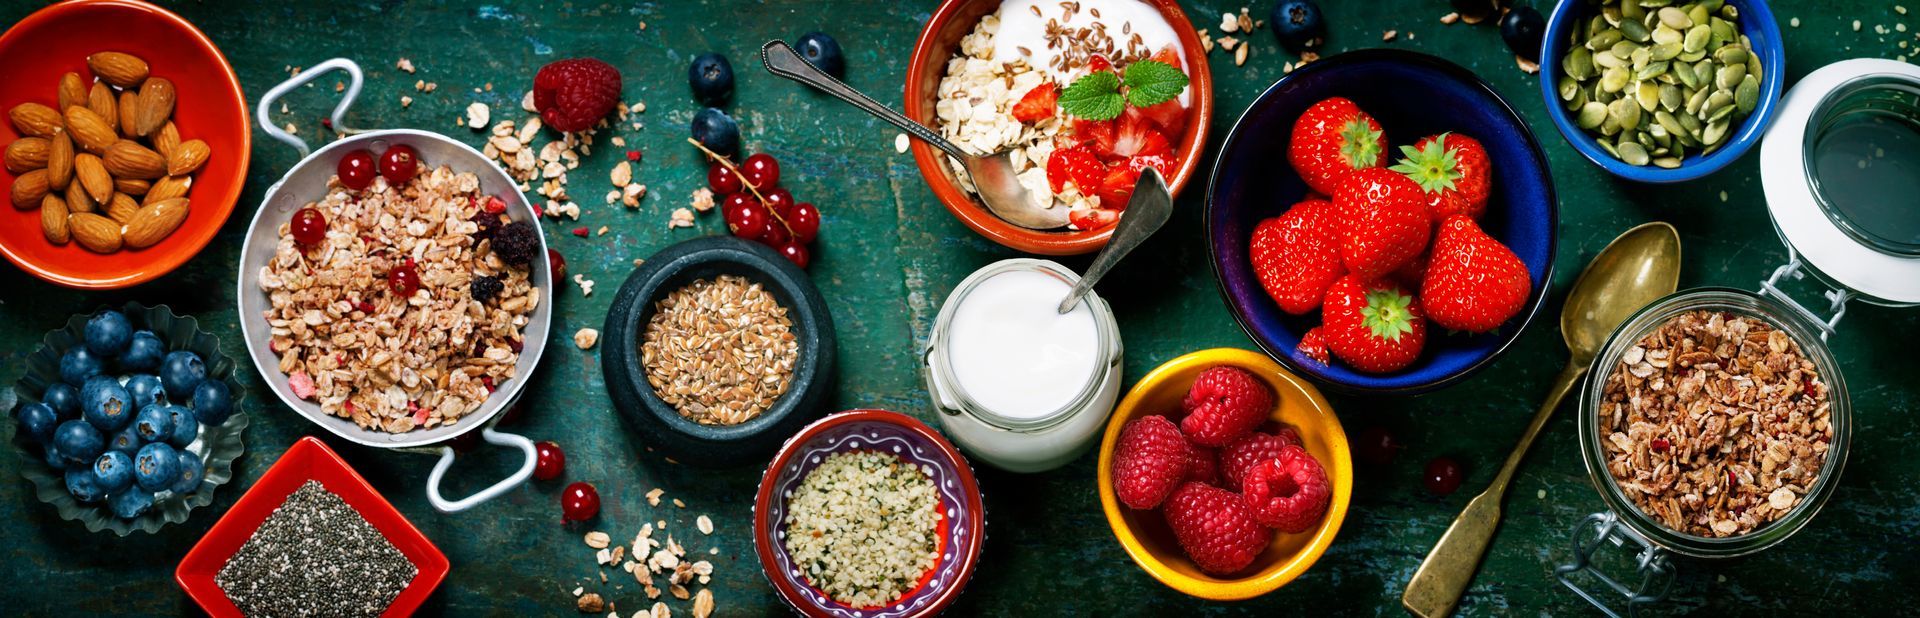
(1093,218)
(1037,104)
(1136,136)
(1117,189)
(1097,135)
(1170,116)
(1077,166)
(1099,63)
(1169,56)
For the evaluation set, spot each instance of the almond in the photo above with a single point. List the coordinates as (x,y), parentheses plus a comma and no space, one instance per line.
(72,90)
(128,159)
(129,113)
(165,139)
(155,221)
(131,186)
(27,154)
(53,219)
(98,234)
(168,188)
(121,208)
(119,69)
(29,189)
(188,157)
(100,100)
(92,174)
(156,105)
(90,132)
(35,119)
(77,198)
(59,161)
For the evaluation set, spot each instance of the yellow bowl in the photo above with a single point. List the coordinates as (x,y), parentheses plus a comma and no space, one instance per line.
(1144,534)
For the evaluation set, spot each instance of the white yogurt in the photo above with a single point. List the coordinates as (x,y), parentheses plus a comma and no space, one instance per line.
(1016,355)
(1021,29)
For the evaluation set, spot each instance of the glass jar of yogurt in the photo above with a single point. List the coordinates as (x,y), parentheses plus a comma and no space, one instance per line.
(1017,383)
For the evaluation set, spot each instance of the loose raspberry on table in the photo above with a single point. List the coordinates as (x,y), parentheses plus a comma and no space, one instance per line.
(1203,466)
(1224,404)
(1215,527)
(575,93)
(1244,453)
(1149,460)
(1288,493)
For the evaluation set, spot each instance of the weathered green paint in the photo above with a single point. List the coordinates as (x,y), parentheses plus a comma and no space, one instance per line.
(888,255)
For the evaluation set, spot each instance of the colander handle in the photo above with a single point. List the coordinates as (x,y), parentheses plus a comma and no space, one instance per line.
(446,461)
(263,113)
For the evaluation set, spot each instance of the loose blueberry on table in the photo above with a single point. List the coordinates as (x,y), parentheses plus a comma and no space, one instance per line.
(820,50)
(711,77)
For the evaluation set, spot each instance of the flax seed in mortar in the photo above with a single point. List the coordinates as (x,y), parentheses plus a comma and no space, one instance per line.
(720,351)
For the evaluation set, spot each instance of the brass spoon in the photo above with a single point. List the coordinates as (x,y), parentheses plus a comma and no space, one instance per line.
(1637,268)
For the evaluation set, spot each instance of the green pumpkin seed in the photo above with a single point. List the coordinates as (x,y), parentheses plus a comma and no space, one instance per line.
(1697,14)
(1633,153)
(1716,101)
(1704,69)
(1698,100)
(1604,39)
(1730,54)
(1641,58)
(1664,51)
(1678,151)
(1723,31)
(1611,13)
(1715,132)
(1579,100)
(1624,49)
(1730,12)
(1721,114)
(1610,127)
(1591,115)
(1667,162)
(1663,34)
(1632,11)
(1606,60)
(1567,86)
(1753,66)
(1675,18)
(1729,76)
(1614,79)
(1579,63)
(1624,112)
(1691,124)
(1647,141)
(1635,31)
(1655,3)
(1747,95)
(1712,5)
(1687,56)
(1684,72)
(1653,70)
(1670,97)
(1696,38)
(1648,96)
(1667,121)
(1607,146)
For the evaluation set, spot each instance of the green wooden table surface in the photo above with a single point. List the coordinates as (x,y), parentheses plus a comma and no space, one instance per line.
(887,256)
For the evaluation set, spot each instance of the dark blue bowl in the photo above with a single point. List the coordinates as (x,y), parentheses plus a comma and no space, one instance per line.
(1412,95)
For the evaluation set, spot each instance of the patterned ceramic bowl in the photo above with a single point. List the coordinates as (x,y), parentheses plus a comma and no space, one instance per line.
(962,522)
(216,446)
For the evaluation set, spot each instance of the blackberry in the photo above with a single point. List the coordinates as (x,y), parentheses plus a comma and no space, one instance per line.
(485,288)
(516,243)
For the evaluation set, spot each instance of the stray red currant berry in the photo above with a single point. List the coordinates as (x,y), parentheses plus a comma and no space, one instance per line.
(308,227)
(399,163)
(780,201)
(796,253)
(804,220)
(579,502)
(404,279)
(356,169)
(761,170)
(556,266)
(1377,446)
(1442,476)
(550,462)
(746,219)
(722,179)
(776,236)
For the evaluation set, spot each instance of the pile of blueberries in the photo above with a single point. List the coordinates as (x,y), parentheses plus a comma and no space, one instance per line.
(124,440)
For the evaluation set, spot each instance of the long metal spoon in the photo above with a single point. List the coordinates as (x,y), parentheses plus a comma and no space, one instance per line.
(993,175)
(1637,268)
(1147,210)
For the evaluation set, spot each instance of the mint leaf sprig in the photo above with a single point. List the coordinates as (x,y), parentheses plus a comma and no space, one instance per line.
(1099,95)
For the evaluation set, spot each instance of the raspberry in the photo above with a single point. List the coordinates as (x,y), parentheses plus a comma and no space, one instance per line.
(1224,404)
(1203,466)
(1288,493)
(1216,528)
(1244,453)
(574,93)
(1149,461)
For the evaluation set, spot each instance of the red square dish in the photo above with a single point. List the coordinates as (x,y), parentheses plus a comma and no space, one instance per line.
(309,459)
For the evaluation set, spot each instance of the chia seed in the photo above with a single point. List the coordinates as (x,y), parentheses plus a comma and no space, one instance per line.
(315,556)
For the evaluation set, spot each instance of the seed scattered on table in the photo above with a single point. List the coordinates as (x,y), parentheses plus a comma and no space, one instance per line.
(720,351)
(315,556)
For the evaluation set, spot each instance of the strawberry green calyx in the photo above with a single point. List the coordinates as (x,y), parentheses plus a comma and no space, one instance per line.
(1434,167)
(1359,143)
(1388,313)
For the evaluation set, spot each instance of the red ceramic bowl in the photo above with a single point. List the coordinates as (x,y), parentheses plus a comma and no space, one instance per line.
(309,459)
(58,39)
(941,39)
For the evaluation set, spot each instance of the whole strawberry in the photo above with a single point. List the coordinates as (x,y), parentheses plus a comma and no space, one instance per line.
(1149,460)
(1297,255)
(1332,139)
(1383,221)
(1244,453)
(1288,493)
(1454,171)
(1216,528)
(1224,404)
(1473,282)
(1375,327)
(575,93)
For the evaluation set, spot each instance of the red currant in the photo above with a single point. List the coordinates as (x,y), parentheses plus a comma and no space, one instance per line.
(1377,446)
(1442,476)
(308,227)
(776,236)
(796,253)
(761,170)
(745,218)
(556,266)
(780,201)
(404,279)
(722,179)
(549,461)
(399,163)
(804,219)
(579,502)
(356,169)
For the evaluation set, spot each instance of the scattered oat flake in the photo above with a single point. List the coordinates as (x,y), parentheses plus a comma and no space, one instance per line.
(705,524)
(526,103)
(1389,36)
(585,338)
(678,503)
(653,499)
(586,285)
(477,115)
(1449,18)
(622,174)
(406,101)
(681,218)
(703,199)
(292,129)
(900,143)
(600,232)
(598,539)
(1240,55)
(1229,22)
(404,64)
(703,603)
(1527,66)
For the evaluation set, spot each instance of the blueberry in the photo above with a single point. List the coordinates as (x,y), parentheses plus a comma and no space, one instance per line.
(153,466)
(212,402)
(126,440)
(113,471)
(144,354)
(81,484)
(1523,29)
(717,131)
(38,420)
(712,79)
(1298,25)
(185,427)
(108,334)
(63,398)
(154,423)
(105,403)
(180,373)
(144,390)
(78,443)
(78,364)
(55,459)
(821,51)
(187,473)
(130,503)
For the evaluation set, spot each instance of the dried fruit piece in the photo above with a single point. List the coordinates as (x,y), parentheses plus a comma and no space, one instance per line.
(92,174)
(155,221)
(29,189)
(117,68)
(91,132)
(27,154)
(59,161)
(36,120)
(98,234)
(187,157)
(100,100)
(157,97)
(128,159)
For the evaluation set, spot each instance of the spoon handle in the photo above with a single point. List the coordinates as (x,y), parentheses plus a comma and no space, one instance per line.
(783,61)
(1147,210)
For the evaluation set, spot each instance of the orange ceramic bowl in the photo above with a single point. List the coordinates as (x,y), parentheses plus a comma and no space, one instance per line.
(58,39)
(940,40)
(1144,534)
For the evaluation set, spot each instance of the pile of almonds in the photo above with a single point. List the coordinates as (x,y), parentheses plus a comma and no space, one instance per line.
(106,167)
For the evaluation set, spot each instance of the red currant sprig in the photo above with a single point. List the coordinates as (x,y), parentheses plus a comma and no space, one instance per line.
(738,173)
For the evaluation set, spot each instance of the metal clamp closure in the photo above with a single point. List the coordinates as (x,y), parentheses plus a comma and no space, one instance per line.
(1837,299)
(1656,574)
